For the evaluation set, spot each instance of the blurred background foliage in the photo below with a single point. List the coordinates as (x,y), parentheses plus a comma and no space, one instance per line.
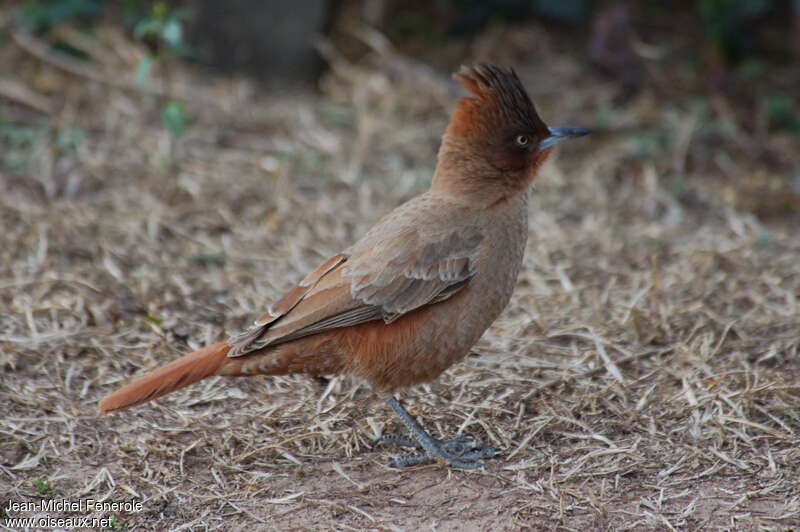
(732,65)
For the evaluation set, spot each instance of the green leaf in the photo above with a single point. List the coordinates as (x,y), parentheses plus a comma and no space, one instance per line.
(45,488)
(146,28)
(160,10)
(143,71)
(173,115)
(40,15)
(781,109)
(173,33)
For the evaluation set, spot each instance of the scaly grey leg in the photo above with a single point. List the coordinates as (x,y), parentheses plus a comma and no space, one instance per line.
(454,451)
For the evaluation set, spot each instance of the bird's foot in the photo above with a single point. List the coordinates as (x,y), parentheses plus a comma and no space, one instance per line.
(461,451)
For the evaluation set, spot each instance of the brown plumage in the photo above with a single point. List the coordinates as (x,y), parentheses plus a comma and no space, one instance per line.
(412,296)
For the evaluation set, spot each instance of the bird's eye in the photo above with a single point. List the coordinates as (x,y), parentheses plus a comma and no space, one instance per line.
(522,140)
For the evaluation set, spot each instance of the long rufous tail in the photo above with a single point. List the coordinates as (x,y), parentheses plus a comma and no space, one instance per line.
(186,370)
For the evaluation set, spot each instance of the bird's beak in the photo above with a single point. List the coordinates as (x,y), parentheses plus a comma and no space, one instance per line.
(559,133)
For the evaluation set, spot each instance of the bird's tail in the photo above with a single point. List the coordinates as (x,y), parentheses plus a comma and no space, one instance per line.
(186,370)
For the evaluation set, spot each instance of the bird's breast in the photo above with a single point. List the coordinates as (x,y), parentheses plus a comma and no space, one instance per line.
(420,345)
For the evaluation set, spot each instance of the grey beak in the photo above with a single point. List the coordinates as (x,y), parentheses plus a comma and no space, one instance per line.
(559,133)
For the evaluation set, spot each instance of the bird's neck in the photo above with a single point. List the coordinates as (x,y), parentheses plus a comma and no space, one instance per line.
(464,174)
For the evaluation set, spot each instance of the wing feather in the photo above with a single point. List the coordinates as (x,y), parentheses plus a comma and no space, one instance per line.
(376,279)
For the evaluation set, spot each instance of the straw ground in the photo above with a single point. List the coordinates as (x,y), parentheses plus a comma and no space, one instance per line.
(644,377)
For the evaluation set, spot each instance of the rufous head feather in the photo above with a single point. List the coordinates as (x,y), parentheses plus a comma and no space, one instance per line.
(499,100)
(495,141)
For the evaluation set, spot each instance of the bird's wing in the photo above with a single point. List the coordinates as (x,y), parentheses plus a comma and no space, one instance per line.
(381,277)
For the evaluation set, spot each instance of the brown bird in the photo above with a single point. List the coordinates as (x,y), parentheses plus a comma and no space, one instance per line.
(411,297)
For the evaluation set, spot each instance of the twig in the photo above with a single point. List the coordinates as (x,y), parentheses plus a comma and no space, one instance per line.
(594,372)
(21,94)
(41,51)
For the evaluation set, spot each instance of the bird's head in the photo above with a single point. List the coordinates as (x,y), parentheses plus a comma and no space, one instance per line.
(495,135)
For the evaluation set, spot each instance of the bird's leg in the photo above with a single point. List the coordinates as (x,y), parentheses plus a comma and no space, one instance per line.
(455,451)
(405,441)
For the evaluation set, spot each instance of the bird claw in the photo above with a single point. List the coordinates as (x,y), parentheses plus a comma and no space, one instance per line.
(461,451)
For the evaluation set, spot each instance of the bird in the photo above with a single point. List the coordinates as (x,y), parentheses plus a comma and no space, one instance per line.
(416,292)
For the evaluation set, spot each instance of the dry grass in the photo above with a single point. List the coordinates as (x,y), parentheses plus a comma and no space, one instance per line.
(644,376)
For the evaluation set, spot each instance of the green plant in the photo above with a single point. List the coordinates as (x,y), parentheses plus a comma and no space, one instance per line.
(782,109)
(173,114)
(45,488)
(114,524)
(43,15)
(162,30)
(159,25)
(20,143)
(726,22)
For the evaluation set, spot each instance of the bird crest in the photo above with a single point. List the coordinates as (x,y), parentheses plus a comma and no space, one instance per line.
(499,100)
